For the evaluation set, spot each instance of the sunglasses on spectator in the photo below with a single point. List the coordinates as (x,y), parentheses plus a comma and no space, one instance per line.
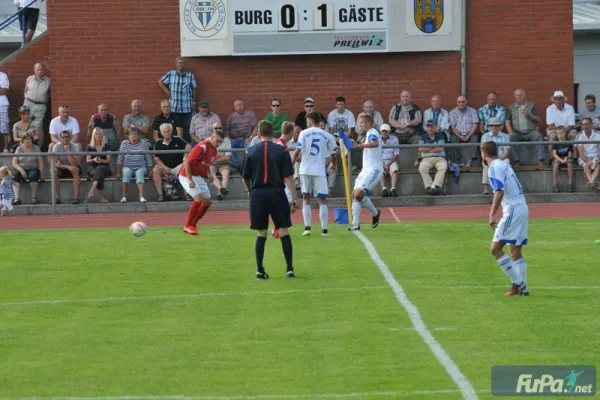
(24,109)
(309,105)
(275,105)
(65,137)
(494,125)
(218,128)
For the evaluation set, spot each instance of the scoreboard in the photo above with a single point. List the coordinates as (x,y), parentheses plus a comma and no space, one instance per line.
(282,27)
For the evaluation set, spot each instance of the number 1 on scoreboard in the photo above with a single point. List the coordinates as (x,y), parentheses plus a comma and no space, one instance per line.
(323,17)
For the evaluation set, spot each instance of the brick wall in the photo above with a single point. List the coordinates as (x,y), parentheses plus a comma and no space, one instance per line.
(117,51)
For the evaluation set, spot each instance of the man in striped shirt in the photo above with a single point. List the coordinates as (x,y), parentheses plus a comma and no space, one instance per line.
(196,168)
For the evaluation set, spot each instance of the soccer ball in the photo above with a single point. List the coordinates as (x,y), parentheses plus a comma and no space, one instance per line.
(137,228)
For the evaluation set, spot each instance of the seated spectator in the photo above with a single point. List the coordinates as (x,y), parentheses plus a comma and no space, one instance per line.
(64,122)
(368,108)
(463,124)
(309,106)
(201,127)
(406,118)
(432,157)
(276,117)
(521,122)
(27,168)
(341,119)
(221,165)
(563,155)
(25,124)
(4,117)
(589,154)
(439,116)
(495,135)
(591,111)
(390,164)
(67,166)
(109,124)
(133,164)
(168,165)
(491,110)
(242,127)
(138,119)
(165,117)
(557,114)
(98,165)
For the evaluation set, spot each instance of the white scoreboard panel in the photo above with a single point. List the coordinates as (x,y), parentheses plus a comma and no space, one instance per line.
(276,27)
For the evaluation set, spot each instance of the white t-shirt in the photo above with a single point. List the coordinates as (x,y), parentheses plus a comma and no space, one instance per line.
(28,3)
(337,121)
(372,158)
(316,145)
(4,84)
(566,117)
(591,150)
(56,126)
(502,177)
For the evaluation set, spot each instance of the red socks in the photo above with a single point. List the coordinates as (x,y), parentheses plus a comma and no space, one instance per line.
(199,214)
(192,214)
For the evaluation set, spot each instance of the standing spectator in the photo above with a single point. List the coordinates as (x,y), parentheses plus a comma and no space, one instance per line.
(31,14)
(62,123)
(242,127)
(67,165)
(406,117)
(369,109)
(109,125)
(25,124)
(464,123)
(138,119)
(390,164)
(495,135)
(432,157)
(27,168)
(130,164)
(341,119)
(563,155)
(4,120)
(165,117)
(168,165)
(591,111)
(37,94)
(439,116)
(522,118)
(180,86)
(560,114)
(98,165)
(276,117)
(201,127)
(309,106)
(491,110)
(221,165)
(589,153)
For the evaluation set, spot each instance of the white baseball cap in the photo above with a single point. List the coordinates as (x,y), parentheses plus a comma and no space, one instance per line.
(558,93)
(309,100)
(385,127)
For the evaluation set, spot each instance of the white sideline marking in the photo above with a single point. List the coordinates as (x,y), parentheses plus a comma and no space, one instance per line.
(394,214)
(256,397)
(181,296)
(505,286)
(465,387)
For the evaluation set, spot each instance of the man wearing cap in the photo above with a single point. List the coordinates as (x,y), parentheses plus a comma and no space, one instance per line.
(389,157)
(560,114)
(432,157)
(201,127)
(495,135)
(309,106)
(521,119)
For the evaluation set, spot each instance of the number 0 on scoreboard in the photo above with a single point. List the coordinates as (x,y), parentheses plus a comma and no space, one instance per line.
(290,17)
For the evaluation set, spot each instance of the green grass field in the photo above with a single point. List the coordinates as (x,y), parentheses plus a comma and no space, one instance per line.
(100,313)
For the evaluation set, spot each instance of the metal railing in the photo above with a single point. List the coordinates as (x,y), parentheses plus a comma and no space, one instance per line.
(19,14)
(52,156)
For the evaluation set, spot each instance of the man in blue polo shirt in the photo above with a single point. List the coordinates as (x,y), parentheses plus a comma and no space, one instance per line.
(432,157)
(267,168)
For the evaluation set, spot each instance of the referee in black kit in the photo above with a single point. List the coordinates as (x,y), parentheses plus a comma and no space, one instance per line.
(267,167)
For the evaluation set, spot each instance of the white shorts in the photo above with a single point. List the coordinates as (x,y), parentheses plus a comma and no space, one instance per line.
(594,161)
(316,185)
(367,180)
(513,227)
(201,186)
(288,194)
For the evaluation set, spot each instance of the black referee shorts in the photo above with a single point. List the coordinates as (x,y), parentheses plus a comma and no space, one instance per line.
(265,202)
(31,17)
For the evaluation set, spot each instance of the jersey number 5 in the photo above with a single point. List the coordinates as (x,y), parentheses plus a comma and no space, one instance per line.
(314,147)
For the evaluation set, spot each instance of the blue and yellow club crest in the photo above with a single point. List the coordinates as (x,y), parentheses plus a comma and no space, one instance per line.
(429,15)
(205,10)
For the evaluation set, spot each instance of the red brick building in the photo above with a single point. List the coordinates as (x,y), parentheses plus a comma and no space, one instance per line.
(115,51)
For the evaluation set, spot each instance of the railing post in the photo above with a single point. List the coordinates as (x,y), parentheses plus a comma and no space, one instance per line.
(53,184)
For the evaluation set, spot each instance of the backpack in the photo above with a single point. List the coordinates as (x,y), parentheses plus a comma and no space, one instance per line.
(170,190)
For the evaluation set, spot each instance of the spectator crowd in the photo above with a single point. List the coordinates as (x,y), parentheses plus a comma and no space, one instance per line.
(184,121)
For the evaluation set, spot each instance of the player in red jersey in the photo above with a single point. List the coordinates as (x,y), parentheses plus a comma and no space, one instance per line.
(196,168)
(287,133)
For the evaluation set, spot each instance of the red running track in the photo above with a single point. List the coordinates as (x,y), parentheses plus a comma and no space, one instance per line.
(389,214)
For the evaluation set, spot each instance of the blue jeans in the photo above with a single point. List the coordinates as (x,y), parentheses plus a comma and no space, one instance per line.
(139,174)
(237,144)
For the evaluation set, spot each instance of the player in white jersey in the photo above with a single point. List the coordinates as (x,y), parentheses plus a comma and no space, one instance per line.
(370,175)
(512,228)
(315,145)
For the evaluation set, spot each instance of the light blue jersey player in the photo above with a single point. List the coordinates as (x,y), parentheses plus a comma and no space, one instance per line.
(512,228)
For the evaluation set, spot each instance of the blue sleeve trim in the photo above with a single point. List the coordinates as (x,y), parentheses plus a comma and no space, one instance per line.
(371,138)
(496,184)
